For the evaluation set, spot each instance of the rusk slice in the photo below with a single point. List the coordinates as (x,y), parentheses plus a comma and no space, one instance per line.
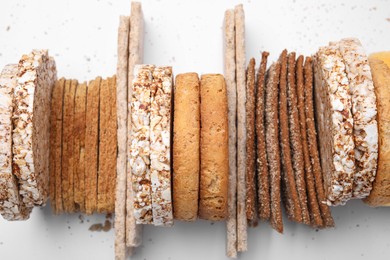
(186,139)
(31,119)
(242,233)
(313,207)
(68,156)
(56,146)
(140,144)
(135,54)
(312,142)
(214,148)
(263,193)
(11,205)
(107,146)
(92,145)
(272,145)
(250,179)
(290,194)
(160,146)
(79,146)
(364,111)
(380,69)
(335,124)
(121,167)
(231,88)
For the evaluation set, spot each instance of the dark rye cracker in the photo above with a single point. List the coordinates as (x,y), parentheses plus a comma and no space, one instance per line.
(67,146)
(272,145)
(290,194)
(79,146)
(263,193)
(313,146)
(295,139)
(56,146)
(91,145)
(250,145)
(314,210)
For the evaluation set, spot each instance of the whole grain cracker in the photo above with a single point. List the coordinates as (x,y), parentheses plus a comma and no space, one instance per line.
(250,179)
(314,210)
(242,233)
(364,112)
(92,145)
(121,110)
(31,148)
(312,142)
(333,101)
(290,194)
(272,145)
(263,193)
(11,204)
(160,145)
(231,88)
(140,144)
(79,146)
(136,39)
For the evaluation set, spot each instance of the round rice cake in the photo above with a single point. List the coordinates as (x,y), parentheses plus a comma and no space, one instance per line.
(11,206)
(364,112)
(335,124)
(31,121)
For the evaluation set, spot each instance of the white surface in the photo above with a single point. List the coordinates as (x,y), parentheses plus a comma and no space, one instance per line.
(82,36)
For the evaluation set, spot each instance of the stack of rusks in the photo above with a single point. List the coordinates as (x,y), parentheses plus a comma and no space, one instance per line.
(300,134)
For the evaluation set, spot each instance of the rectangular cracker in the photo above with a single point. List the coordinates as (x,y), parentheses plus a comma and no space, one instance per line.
(263,192)
(242,233)
(136,38)
(313,207)
(92,145)
(313,146)
(231,88)
(121,110)
(214,148)
(68,159)
(250,145)
(290,194)
(186,139)
(139,152)
(272,145)
(79,146)
(56,140)
(160,145)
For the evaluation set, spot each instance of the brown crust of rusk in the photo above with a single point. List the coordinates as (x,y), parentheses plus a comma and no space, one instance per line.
(107,146)
(242,233)
(314,210)
(186,138)
(263,193)
(380,193)
(295,138)
(92,145)
(290,194)
(313,146)
(67,147)
(231,88)
(272,145)
(121,110)
(136,36)
(250,179)
(56,146)
(214,151)
(79,146)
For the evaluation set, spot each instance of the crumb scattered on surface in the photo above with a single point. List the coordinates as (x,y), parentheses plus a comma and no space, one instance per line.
(388,19)
(8,28)
(81,217)
(98,227)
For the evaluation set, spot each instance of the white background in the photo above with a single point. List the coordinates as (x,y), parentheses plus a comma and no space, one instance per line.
(82,36)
